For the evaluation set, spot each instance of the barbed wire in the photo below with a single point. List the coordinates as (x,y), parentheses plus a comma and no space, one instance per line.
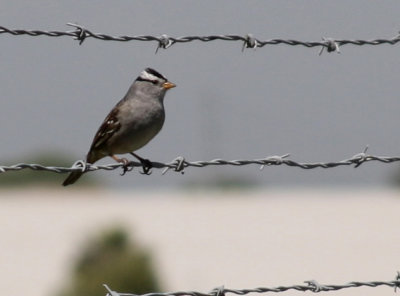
(164,41)
(311,285)
(179,164)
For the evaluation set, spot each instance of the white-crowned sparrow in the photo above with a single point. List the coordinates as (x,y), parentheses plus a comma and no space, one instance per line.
(132,123)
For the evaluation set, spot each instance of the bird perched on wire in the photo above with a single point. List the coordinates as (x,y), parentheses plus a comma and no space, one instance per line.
(132,123)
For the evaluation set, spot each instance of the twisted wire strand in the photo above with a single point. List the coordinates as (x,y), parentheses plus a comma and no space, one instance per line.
(311,285)
(179,164)
(164,41)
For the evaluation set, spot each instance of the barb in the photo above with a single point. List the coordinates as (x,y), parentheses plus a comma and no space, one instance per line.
(312,286)
(179,164)
(164,41)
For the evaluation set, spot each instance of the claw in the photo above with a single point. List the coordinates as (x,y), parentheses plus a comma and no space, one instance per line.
(146,166)
(125,166)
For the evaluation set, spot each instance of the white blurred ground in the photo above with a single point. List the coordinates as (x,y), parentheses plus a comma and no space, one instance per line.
(207,239)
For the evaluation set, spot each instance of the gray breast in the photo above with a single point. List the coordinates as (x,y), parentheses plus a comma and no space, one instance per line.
(140,122)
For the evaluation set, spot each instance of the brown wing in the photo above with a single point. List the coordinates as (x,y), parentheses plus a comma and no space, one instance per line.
(109,126)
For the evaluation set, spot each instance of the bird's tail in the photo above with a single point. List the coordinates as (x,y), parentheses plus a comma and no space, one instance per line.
(72,178)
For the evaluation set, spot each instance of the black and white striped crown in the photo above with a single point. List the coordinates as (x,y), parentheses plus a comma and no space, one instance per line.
(151,75)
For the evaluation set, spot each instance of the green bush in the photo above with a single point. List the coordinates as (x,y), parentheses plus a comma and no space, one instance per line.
(112,259)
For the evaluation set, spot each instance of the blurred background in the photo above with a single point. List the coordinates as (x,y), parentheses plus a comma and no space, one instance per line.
(234,226)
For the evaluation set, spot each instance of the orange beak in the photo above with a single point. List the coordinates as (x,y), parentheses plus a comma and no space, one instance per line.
(168,85)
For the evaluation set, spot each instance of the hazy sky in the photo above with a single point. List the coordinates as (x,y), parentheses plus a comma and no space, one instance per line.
(228,104)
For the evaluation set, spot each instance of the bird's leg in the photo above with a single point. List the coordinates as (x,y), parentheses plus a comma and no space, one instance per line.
(146,164)
(125,164)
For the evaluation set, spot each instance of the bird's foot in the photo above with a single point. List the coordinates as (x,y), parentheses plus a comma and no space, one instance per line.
(126,167)
(146,166)
(126,164)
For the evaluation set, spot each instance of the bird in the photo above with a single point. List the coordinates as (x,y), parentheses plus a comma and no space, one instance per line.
(131,124)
